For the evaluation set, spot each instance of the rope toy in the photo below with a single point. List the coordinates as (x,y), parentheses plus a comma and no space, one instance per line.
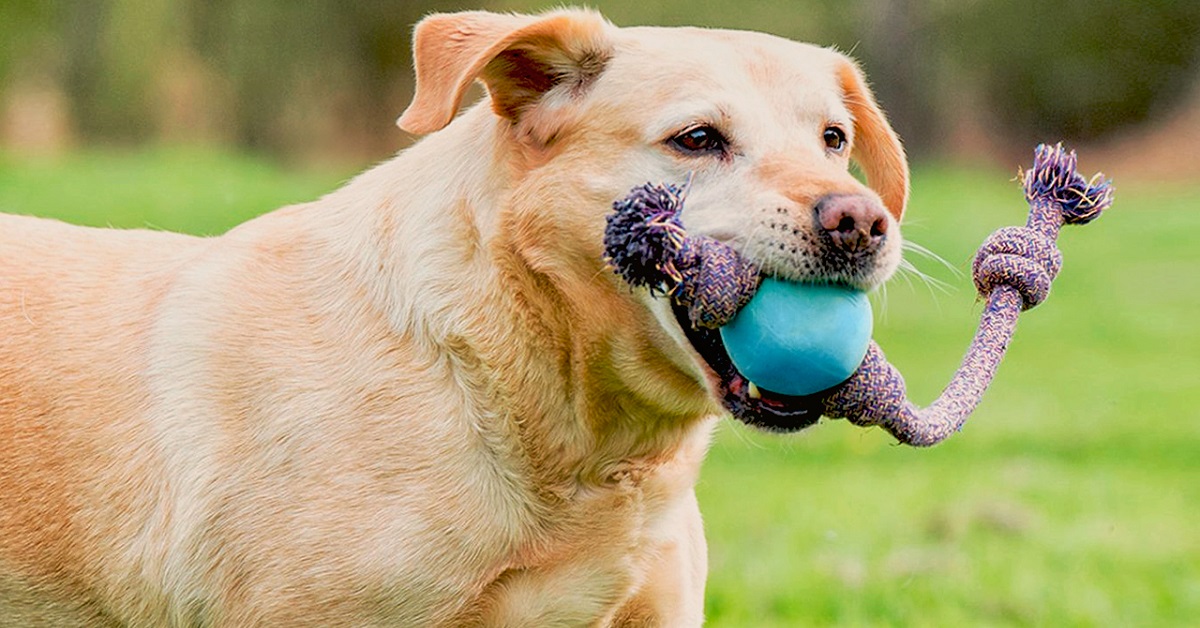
(646,244)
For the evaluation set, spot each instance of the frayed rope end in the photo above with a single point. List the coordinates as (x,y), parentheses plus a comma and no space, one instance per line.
(1054,178)
(643,237)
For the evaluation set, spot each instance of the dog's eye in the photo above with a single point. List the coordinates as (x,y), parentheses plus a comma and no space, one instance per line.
(700,139)
(835,139)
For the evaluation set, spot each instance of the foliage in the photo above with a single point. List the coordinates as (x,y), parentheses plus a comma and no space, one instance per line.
(1045,71)
(282,76)
(1078,68)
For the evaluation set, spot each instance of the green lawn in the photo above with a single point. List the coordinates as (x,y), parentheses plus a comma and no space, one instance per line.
(1072,497)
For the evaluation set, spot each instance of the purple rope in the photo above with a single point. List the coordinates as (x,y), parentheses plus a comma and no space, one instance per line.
(645,243)
(1013,270)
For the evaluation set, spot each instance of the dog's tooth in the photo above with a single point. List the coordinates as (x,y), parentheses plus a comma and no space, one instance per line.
(754,392)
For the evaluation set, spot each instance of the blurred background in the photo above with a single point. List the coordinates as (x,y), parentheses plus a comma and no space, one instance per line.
(324,80)
(1071,497)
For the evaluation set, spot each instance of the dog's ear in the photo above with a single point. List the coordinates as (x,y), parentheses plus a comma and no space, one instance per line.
(877,148)
(519,58)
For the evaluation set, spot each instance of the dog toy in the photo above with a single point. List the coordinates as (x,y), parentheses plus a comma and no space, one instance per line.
(770,349)
(646,244)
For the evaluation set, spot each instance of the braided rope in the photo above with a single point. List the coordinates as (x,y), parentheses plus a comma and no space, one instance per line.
(1013,271)
(646,244)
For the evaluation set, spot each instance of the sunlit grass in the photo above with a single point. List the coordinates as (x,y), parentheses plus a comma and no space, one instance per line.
(1069,499)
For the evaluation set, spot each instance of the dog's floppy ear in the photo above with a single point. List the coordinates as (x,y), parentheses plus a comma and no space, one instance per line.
(876,146)
(519,58)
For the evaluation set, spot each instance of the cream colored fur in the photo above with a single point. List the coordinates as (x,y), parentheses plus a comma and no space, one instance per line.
(420,400)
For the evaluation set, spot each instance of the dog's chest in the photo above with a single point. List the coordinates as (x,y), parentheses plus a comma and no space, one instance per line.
(589,554)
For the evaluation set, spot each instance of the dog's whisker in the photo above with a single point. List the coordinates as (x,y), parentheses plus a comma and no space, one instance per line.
(743,437)
(909,245)
(902,273)
(908,269)
(882,300)
(933,284)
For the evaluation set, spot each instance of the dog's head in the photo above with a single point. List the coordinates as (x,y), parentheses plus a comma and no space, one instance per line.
(764,129)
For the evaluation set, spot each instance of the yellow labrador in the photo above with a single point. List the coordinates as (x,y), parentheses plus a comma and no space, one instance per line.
(422,400)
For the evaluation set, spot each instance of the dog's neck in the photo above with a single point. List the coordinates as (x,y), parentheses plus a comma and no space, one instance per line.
(586,369)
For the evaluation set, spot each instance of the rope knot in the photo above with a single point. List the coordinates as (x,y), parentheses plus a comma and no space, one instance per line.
(1020,257)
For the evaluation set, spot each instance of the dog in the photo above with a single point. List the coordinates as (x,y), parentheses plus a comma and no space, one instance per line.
(423,400)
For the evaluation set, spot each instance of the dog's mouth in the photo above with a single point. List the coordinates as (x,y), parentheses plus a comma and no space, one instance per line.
(748,403)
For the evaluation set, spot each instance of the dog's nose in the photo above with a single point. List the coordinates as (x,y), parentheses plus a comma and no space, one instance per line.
(855,224)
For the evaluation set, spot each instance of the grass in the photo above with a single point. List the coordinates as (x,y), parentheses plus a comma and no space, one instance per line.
(1070,499)
(195,190)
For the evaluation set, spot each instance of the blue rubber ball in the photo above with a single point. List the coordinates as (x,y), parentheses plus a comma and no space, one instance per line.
(799,339)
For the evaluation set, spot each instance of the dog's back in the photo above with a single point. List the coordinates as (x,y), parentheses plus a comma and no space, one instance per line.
(72,303)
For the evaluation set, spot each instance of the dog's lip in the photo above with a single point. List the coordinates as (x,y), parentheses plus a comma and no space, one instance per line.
(767,410)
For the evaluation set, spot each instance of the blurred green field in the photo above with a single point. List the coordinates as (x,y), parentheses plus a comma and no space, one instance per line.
(1072,498)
